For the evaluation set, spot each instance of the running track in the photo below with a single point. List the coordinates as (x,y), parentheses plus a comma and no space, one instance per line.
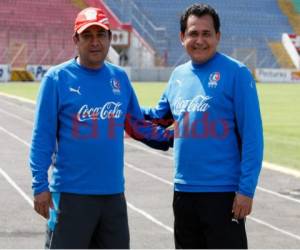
(274,222)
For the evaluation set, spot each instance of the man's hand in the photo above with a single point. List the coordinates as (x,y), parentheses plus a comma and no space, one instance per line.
(242,206)
(42,202)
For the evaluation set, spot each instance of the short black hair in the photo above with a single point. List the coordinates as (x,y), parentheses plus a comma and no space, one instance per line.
(199,10)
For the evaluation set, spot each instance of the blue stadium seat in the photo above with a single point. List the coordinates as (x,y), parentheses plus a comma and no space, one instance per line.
(245,24)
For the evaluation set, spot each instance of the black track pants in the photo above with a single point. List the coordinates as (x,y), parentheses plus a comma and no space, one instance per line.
(89,221)
(204,220)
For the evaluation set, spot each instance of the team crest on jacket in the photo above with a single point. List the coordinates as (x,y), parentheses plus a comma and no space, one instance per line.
(116,86)
(213,79)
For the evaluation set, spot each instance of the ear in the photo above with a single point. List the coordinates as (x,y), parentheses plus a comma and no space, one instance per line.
(218,35)
(181,37)
(75,39)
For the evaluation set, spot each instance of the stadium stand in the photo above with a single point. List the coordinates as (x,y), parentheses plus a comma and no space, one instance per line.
(130,12)
(247,26)
(296,4)
(283,58)
(289,8)
(41,30)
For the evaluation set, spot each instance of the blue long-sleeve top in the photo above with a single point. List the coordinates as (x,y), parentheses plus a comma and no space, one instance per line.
(79,128)
(218,144)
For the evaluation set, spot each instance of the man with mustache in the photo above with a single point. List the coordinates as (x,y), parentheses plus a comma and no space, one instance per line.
(82,109)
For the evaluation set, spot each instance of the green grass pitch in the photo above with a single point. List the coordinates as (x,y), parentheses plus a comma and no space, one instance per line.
(280,107)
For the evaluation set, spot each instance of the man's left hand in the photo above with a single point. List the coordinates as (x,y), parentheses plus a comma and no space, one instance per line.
(242,206)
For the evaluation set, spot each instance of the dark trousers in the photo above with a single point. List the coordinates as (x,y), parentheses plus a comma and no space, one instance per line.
(90,221)
(204,221)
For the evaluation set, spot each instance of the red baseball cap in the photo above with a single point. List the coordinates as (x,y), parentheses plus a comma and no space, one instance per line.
(88,17)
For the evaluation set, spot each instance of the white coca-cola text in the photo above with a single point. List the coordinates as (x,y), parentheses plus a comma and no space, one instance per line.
(198,104)
(107,111)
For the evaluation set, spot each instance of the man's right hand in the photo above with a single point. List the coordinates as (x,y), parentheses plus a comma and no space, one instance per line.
(42,202)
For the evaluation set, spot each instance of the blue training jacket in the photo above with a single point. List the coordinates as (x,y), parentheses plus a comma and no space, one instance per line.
(218,144)
(79,128)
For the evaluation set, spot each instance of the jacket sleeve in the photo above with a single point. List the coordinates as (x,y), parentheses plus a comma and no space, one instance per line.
(161,114)
(44,134)
(145,131)
(250,131)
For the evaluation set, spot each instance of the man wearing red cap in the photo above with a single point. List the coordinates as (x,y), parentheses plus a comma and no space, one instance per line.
(82,109)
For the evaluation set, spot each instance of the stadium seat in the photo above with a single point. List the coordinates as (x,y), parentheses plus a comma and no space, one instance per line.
(245,24)
(45,27)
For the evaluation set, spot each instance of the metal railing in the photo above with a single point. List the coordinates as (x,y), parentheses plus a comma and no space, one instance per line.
(131,13)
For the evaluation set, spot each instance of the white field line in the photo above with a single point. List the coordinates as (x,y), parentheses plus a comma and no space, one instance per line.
(295,236)
(150,217)
(14,136)
(148,174)
(281,169)
(250,217)
(272,166)
(265,164)
(15,186)
(171,184)
(26,197)
(150,151)
(140,211)
(157,153)
(269,165)
(31,110)
(278,195)
(15,116)
(283,141)
(22,99)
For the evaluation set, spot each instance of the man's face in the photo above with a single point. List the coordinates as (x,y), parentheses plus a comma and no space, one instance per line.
(93,45)
(200,38)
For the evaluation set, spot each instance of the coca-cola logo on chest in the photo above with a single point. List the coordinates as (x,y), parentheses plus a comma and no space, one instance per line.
(198,104)
(110,110)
